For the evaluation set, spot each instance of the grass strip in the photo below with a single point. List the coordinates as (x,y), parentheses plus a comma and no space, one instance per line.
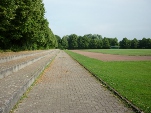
(132,79)
(129,52)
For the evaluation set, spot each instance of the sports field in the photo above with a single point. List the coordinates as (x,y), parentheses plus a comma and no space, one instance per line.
(132,79)
(129,52)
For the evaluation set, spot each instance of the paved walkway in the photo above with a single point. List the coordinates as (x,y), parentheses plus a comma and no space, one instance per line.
(66,87)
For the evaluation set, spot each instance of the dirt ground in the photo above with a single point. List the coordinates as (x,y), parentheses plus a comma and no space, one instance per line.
(109,57)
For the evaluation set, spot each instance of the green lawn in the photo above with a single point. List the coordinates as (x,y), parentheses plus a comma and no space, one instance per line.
(131,52)
(132,79)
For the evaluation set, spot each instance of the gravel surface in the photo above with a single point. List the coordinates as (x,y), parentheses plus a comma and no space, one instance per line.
(66,87)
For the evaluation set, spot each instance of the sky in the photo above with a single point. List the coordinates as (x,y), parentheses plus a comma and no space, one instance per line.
(109,18)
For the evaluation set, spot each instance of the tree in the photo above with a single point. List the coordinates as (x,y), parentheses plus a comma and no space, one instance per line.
(99,44)
(93,44)
(99,37)
(142,43)
(7,14)
(125,43)
(89,36)
(114,42)
(134,43)
(106,44)
(83,42)
(23,26)
(58,41)
(72,41)
(51,41)
(148,43)
(64,42)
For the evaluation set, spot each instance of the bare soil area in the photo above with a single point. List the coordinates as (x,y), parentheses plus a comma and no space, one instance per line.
(109,57)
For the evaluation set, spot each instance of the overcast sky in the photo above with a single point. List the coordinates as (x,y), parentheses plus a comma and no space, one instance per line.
(109,18)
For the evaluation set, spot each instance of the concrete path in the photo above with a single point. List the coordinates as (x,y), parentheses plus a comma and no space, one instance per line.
(66,87)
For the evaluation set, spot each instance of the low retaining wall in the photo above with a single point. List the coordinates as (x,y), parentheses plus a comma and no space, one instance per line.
(15,57)
(9,104)
(17,67)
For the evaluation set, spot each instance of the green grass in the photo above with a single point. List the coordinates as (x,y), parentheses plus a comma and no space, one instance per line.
(130,52)
(132,79)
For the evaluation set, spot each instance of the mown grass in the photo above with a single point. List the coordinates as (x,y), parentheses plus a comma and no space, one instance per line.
(131,79)
(130,52)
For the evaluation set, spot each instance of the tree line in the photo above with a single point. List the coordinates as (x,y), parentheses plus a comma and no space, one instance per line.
(96,41)
(24,27)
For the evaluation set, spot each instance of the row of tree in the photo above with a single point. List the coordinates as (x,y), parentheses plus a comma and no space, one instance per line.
(145,43)
(96,41)
(23,26)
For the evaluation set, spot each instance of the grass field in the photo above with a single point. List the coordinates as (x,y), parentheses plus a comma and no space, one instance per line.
(130,52)
(132,79)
